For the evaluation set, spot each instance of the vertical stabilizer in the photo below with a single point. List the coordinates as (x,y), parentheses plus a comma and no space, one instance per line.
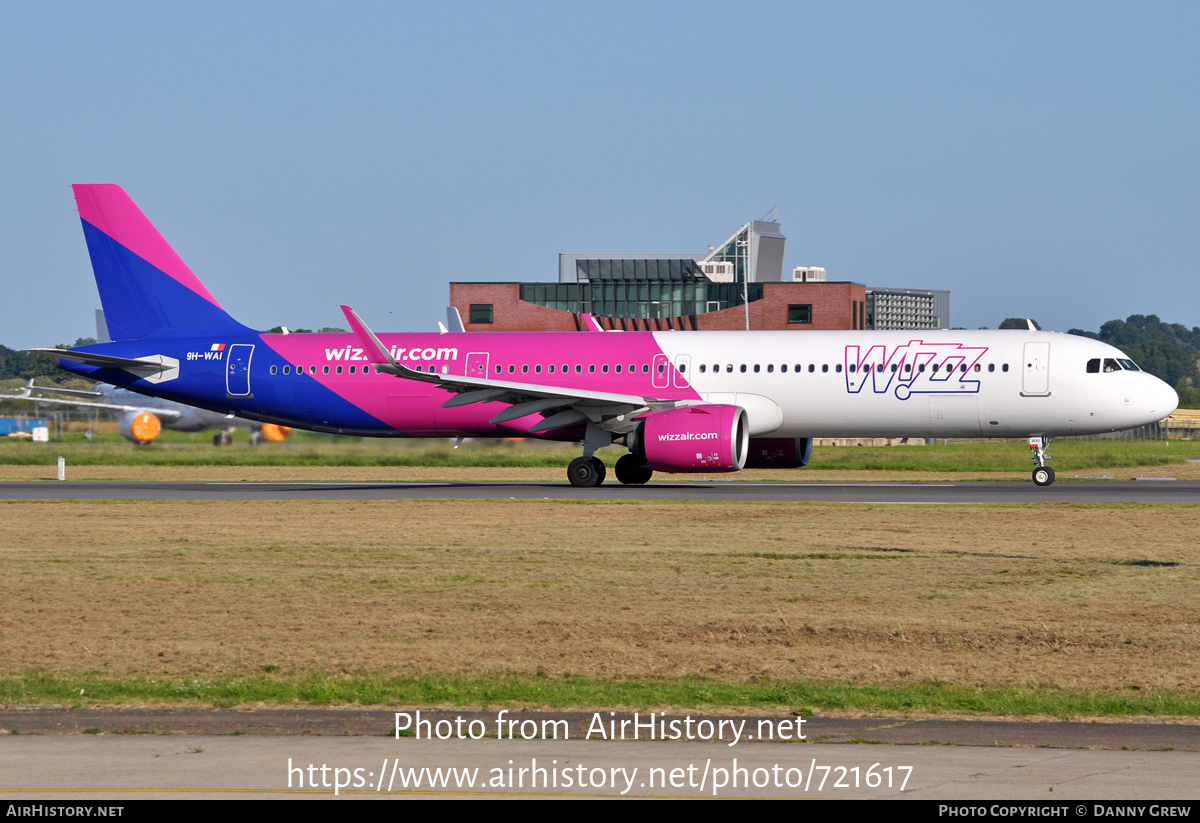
(145,287)
(101,328)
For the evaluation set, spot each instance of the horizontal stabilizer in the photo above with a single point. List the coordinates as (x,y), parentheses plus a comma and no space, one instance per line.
(156,368)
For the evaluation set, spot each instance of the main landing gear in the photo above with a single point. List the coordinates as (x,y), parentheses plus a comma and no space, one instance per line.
(586,472)
(632,471)
(1043,475)
(589,471)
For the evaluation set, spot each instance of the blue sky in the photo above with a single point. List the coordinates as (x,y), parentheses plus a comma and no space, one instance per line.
(1037,159)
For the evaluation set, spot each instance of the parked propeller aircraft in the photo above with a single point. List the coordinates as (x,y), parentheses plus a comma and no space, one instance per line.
(143,418)
(679,401)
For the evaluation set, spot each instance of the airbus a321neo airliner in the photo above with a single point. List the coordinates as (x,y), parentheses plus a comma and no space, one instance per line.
(679,401)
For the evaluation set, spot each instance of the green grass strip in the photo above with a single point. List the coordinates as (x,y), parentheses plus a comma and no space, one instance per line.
(806,697)
(304,449)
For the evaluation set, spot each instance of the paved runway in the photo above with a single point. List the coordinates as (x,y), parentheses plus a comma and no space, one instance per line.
(1135,491)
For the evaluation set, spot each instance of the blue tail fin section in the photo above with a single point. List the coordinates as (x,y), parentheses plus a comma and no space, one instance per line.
(145,287)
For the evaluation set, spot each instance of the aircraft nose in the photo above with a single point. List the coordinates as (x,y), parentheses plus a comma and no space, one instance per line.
(1162,400)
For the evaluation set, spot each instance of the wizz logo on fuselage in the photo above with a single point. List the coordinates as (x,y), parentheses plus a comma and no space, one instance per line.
(913,368)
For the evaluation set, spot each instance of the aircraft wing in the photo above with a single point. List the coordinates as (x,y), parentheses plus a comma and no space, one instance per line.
(166,414)
(570,406)
(68,392)
(23,394)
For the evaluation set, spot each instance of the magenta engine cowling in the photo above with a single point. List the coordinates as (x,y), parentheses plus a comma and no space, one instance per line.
(707,438)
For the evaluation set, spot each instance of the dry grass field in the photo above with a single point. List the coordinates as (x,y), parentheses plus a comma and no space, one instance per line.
(547,474)
(1082,597)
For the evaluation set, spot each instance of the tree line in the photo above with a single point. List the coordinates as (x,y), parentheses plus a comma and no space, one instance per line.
(1169,351)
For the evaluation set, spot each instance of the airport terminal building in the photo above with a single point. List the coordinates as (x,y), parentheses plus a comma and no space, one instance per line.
(736,285)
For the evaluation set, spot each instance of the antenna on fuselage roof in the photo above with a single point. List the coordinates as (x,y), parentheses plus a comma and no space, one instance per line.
(1032,327)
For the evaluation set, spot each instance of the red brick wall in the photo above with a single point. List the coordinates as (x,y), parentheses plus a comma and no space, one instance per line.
(509,311)
(832,304)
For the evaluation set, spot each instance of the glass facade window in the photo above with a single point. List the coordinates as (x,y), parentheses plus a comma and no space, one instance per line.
(677,289)
(481,313)
(800,313)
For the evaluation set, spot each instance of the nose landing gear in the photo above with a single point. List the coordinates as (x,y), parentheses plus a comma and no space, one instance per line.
(1043,475)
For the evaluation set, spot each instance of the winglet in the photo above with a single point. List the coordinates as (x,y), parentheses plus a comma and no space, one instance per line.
(367,337)
(372,343)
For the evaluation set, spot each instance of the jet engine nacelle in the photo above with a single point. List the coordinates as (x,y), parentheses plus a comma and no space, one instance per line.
(275,433)
(779,452)
(140,426)
(705,438)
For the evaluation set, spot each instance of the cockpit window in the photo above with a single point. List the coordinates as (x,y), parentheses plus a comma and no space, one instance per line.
(1110,364)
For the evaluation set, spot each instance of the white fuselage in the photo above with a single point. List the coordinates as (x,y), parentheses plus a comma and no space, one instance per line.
(919,384)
